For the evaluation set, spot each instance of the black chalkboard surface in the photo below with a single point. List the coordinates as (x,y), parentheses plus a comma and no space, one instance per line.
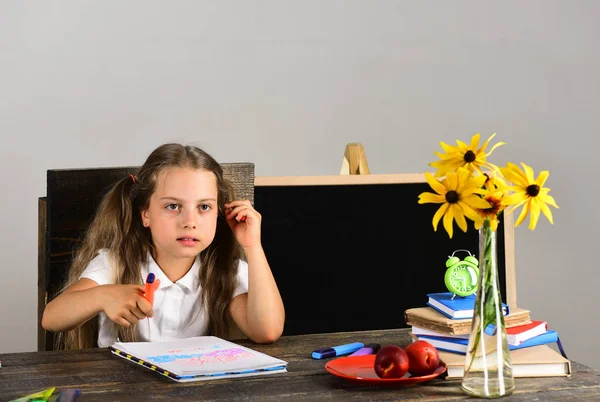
(353,252)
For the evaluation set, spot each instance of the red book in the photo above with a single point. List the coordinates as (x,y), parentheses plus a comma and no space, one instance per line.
(519,334)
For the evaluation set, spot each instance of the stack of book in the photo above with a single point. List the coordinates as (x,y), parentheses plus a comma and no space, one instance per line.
(446,324)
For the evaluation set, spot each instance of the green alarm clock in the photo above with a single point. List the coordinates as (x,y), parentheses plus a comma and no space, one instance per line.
(461,275)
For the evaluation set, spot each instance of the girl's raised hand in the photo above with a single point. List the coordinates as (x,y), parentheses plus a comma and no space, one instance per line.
(125,304)
(244,221)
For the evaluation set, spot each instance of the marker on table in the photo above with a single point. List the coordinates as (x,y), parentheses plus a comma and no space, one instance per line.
(337,350)
(68,395)
(370,349)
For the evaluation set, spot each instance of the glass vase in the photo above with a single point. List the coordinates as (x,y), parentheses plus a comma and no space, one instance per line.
(488,368)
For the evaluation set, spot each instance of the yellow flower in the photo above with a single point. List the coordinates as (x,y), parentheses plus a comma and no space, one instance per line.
(463,155)
(528,191)
(459,195)
(495,190)
(495,182)
(494,198)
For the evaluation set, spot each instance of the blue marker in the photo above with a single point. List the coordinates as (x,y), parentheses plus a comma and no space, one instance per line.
(68,395)
(337,350)
(370,349)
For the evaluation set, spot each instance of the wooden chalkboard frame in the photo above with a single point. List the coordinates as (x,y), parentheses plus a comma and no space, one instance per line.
(369,179)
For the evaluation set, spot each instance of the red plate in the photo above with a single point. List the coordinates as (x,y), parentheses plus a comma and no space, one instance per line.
(360,369)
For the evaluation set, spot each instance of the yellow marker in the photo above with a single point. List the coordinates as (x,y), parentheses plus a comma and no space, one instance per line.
(38,396)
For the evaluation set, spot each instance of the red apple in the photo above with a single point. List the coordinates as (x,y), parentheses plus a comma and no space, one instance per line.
(391,362)
(423,358)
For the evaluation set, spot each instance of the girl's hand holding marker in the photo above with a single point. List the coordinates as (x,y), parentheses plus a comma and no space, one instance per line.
(152,283)
(125,304)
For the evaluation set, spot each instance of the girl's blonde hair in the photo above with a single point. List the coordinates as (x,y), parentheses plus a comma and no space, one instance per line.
(117,226)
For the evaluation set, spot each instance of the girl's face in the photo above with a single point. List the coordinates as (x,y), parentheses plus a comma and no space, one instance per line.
(183,212)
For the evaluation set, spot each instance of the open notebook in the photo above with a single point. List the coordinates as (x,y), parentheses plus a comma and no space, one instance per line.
(199,358)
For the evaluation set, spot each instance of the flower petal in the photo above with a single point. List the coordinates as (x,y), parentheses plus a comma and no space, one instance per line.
(448,165)
(474,166)
(447,148)
(438,215)
(494,224)
(462,146)
(492,168)
(515,198)
(469,184)
(547,212)
(499,183)
(528,173)
(475,201)
(542,177)
(535,213)
(460,217)
(485,144)
(548,199)
(435,184)
(425,198)
(513,174)
(452,181)
(468,192)
(494,147)
(470,213)
(523,215)
(448,218)
(475,141)
(449,161)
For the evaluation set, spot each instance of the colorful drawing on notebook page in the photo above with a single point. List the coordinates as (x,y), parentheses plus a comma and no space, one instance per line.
(201,356)
(196,348)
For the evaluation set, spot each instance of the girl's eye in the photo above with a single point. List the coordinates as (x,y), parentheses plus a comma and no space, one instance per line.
(172,207)
(204,207)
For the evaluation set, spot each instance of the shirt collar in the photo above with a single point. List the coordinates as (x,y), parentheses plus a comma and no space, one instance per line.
(191,280)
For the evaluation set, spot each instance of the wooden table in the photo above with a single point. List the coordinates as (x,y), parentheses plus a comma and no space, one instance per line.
(104,377)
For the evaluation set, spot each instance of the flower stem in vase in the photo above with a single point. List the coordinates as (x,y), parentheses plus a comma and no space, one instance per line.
(488,368)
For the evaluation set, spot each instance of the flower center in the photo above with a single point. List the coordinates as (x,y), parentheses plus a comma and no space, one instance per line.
(469,156)
(452,197)
(532,190)
(494,209)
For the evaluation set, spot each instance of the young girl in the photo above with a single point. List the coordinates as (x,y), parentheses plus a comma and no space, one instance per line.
(175,219)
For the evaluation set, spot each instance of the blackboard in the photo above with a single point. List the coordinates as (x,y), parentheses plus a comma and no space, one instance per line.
(353,252)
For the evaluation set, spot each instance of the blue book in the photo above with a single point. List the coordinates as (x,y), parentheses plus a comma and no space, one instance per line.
(457,345)
(458,308)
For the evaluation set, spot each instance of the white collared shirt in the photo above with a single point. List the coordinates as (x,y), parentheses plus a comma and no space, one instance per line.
(176,305)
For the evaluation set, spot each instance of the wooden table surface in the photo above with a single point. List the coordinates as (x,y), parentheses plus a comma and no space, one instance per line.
(104,377)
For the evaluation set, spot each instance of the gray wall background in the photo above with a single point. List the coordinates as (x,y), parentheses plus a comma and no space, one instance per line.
(287,84)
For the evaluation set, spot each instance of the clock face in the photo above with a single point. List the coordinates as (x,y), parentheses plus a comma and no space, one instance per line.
(461,279)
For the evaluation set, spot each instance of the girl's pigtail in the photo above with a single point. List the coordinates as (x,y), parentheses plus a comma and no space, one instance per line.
(134,243)
(116,227)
